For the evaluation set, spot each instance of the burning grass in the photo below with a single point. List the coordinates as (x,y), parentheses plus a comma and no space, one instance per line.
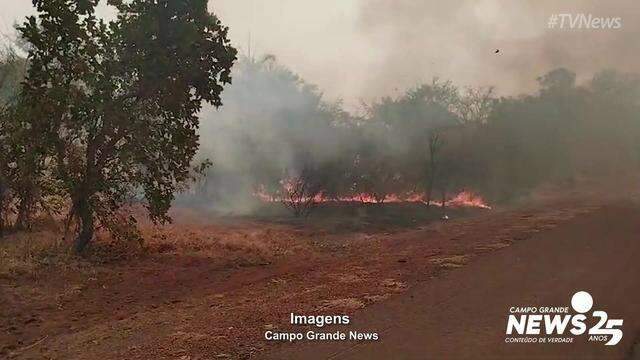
(289,198)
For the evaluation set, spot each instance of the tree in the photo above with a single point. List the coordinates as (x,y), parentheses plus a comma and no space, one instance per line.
(17,177)
(115,103)
(301,191)
(558,80)
(12,70)
(273,127)
(411,126)
(475,105)
(435,145)
(21,164)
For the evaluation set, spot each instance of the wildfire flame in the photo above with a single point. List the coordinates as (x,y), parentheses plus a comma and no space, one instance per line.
(464,198)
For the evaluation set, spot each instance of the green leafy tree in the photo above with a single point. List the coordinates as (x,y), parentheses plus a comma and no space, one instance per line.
(411,124)
(115,103)
(16,177)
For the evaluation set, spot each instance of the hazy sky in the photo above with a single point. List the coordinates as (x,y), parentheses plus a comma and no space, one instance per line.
(361,49)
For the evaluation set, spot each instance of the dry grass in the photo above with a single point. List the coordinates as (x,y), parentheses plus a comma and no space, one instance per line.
(344,304)
(246,241)
(32,253)
(28,253)
(450,262)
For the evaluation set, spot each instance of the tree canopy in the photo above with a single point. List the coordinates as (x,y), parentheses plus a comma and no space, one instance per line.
(114,104)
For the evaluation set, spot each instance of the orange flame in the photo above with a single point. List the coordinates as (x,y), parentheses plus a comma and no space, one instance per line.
(462,199)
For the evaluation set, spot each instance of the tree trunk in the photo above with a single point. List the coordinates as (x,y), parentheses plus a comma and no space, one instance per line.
(429,188)
(2,215)
(434,144)
(85,215)
(23,220)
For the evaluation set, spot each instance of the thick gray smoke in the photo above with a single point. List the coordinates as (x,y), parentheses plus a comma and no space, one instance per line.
(458,40)
(273,123)
(365,49)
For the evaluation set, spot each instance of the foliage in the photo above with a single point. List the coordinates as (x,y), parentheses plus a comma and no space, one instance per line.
(115,103)
(18,153)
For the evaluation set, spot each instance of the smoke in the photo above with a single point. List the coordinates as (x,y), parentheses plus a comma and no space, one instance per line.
(272,124)
(365,49)
(506,44)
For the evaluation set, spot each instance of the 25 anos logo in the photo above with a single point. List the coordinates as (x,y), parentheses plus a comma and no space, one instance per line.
(555,321)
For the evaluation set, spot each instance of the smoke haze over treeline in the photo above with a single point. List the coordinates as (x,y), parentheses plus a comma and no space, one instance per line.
(275,138)
(365,49)
(457,40)
(377,57)
(422,100)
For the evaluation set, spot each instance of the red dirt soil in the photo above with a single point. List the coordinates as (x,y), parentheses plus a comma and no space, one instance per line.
(203,290)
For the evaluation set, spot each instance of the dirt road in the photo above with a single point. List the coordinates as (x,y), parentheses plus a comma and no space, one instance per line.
(462,314)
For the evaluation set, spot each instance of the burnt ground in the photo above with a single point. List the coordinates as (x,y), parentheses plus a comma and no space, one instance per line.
(208,289)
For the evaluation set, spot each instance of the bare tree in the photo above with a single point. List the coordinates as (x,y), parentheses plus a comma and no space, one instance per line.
(301,192)
(435,145)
